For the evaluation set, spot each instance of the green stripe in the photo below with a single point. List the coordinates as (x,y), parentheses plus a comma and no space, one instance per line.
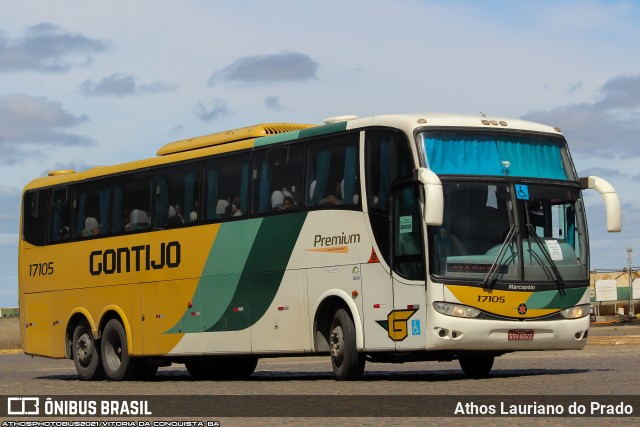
(220,276)
(322,130)
(274,139)
(570,298)
(242,274)
(553,299)
(263,272)
(300,134)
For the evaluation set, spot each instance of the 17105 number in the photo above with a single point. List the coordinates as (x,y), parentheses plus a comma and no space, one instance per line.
(42,269)
(490,298)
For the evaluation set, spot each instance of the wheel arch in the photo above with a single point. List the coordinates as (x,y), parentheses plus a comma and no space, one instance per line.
(115,312)
(325,307)
(77,315)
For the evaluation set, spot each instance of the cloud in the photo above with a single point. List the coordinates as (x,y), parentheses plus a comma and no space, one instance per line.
(278,67)
(612,120)
(574,87)
(122,85)
(46,48)
(273,103)
(211,110)
(36,122)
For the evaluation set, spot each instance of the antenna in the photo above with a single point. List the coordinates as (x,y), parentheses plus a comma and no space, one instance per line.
(476,107)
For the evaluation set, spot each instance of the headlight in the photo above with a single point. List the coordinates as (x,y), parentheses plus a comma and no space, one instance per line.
(456,310)
(576,312)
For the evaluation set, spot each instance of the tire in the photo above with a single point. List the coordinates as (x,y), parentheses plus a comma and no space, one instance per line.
(347,363)
(86,353)
(117,363)
(222,368)
(476,365)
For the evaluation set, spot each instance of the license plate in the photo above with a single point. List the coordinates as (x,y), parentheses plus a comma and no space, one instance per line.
(520,334)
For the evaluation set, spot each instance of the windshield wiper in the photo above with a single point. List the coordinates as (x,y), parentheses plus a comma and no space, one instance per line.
(547,256)
(493,271)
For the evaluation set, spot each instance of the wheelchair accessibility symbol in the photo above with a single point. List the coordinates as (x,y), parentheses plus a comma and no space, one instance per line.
(522,192)
(415,327)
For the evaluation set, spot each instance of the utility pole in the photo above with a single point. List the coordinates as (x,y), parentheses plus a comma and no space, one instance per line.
(629,272)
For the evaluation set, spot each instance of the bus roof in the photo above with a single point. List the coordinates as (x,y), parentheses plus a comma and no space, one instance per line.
(225,137)
(271,133)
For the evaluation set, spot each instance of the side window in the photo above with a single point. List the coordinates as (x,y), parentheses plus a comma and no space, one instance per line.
(91,210)
(176,194)
(59,216)
(277,179)
(407,234)
(34,220)
(225,181)
(388,157)
(132,196)
(332,172)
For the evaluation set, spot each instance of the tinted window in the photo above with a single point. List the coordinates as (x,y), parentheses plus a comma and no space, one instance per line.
(176,196)
(59,222)
(277,179)
(332,172)
(91,210)
(34,220)
(226,187)
(132,197)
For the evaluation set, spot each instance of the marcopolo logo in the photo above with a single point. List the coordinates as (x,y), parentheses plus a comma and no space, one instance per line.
(23,406)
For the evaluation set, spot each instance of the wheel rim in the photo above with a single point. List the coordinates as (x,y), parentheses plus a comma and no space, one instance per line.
(337,345)
(113,352)
(84,350)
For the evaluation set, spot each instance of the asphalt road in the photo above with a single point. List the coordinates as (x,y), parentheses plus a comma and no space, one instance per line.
(595,372)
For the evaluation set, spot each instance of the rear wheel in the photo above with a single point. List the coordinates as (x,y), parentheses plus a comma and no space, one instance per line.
(86,353)
(346,361)
(117,364)
(476,365)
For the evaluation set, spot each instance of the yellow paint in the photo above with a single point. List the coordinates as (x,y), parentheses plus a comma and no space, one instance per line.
(397,319)
(498,302)
(73,289)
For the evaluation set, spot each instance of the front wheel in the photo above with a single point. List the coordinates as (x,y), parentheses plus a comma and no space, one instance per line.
(86,353)
(117,363)
(347,363)
(476,365)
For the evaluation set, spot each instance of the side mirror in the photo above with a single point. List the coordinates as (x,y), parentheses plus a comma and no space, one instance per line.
(611,200)
(434,198)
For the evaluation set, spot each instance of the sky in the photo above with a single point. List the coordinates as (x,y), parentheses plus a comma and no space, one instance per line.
(94,83)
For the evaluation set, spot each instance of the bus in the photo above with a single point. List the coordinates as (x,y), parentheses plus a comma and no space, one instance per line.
(392,238)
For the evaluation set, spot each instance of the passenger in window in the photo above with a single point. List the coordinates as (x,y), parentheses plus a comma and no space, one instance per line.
(174,218)
(91,227)
(234,208)
(138,220)
(335,198)
(277,198)
(288,203)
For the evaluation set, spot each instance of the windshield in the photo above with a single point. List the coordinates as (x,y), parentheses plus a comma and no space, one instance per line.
(496,231)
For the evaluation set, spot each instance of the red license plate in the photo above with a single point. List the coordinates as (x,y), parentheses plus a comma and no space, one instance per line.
(520,334)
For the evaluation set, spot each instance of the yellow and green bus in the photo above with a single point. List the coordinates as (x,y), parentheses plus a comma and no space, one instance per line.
(391,238)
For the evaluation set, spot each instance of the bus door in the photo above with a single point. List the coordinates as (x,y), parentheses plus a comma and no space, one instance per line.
(407,321)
